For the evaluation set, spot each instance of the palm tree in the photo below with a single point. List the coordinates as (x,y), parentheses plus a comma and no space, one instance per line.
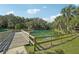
(68,14)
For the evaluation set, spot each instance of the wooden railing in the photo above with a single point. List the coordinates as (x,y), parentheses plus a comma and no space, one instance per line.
(31,38)
(34,42)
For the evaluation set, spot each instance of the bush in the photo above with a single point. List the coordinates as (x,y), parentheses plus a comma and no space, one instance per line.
(19,26)
(59,51)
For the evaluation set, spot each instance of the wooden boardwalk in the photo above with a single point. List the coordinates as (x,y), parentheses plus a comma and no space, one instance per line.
(17,44)
(19,40)
(15,41)
(18,50)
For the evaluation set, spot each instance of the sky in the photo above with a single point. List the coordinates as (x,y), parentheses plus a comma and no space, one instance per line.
(46,11)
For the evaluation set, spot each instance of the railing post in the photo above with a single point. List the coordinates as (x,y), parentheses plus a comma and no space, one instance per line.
(51,41)
(34,45)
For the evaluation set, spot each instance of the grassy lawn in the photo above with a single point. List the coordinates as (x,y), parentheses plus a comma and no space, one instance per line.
(68,48)
(71,47)
(29,49)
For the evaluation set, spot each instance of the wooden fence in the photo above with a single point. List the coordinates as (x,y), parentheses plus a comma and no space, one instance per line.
(33,40)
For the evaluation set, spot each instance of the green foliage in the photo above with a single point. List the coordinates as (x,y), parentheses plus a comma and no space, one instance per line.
(59,51)
(19,26)
(37,24)
(67,22)
(11,21)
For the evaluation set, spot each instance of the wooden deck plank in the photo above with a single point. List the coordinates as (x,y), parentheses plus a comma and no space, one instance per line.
(19,40)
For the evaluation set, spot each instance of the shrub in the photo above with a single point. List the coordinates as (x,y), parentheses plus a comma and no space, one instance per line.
(19,26)
(59,51)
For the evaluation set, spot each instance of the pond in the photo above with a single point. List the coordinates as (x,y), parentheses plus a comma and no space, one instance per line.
(2,30)
(4,34)
(42,34)
(38,33)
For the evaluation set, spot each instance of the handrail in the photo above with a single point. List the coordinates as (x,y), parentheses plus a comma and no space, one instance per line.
(55,39)
(49,36)
(28,34)
(32,38)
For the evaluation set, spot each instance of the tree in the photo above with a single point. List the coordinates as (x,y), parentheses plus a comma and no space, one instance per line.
(18,26)
(68,20)
(68,13)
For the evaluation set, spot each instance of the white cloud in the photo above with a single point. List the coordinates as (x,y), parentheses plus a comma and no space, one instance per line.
(52,18)
(44,7)
(33,11)
(76,4)
(46,19)
(9,12)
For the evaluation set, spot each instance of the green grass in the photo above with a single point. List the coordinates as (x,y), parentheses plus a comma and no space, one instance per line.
(68,48)
(71,47)
(29,49)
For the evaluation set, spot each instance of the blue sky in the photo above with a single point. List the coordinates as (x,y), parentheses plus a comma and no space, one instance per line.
(45,11)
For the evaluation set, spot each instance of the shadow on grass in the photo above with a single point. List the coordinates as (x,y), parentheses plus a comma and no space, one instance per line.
(43,48)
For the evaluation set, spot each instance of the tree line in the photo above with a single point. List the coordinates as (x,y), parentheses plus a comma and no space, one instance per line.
(16,22)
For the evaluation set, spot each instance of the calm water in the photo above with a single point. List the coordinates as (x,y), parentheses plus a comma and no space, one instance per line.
(42,32)
(4,34)
(2,30)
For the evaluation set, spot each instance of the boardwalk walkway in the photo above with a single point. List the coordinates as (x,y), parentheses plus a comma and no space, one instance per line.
(18,50)
(19,40)
(17,44)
